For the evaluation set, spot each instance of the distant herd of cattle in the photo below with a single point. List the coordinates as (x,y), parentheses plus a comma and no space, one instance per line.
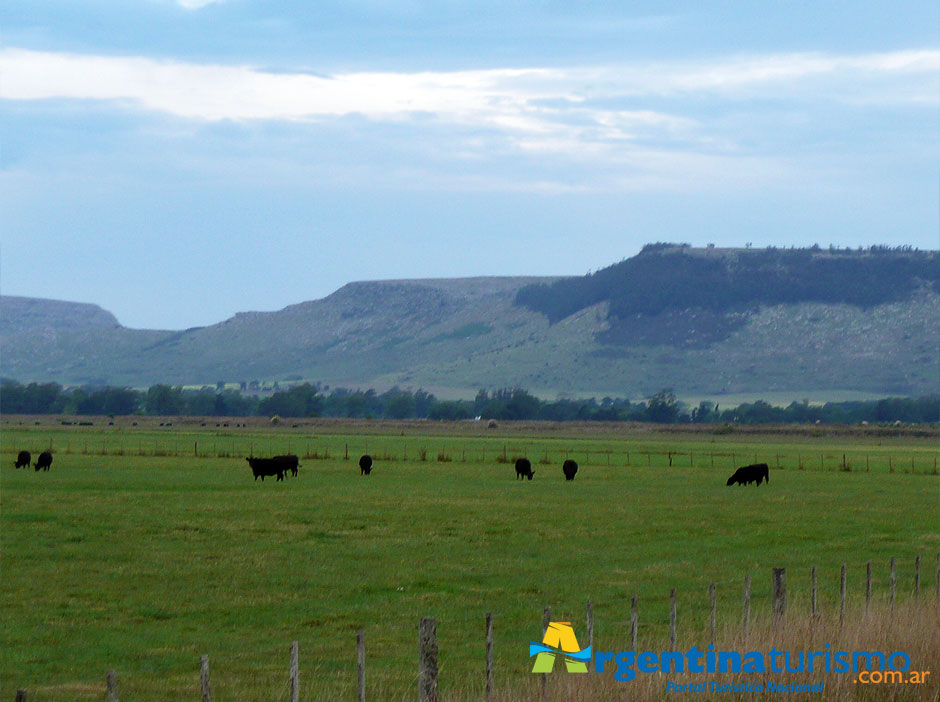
(279,466)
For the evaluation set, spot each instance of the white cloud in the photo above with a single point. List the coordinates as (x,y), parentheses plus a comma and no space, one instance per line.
(594,118)
(508,98)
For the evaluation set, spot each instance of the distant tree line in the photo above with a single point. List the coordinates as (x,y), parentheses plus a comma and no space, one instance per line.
(672,277)
(307,400)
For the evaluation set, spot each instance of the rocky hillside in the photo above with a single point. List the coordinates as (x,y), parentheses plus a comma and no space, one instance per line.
(704,322)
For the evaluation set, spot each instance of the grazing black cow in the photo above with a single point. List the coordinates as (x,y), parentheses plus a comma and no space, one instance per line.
(570,469)
(365,465)
(23,460)
(44,462)
(290,462)
(262,467)
(524,468)
(749,474)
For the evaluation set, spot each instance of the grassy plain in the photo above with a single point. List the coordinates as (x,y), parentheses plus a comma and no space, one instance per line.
(147,546)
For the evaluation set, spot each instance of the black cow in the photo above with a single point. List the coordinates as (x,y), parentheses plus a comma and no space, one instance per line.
(262,467)
(749,474)
(570,469)
(365,465)
(290,462)
(23,460)
(524,469)
(44,462)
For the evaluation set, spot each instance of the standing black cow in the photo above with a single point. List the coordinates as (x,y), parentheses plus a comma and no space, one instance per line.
(23,460)
(290,462)
(262,467)
(749,474)
(524,468)
(365,465)
(44,462)
(570,469)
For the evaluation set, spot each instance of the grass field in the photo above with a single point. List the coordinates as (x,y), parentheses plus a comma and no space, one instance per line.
(145,547)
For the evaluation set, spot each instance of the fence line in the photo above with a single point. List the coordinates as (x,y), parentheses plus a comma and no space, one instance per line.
(428,666)
(210,446)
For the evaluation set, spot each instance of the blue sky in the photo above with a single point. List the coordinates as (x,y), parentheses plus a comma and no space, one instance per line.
(177,162)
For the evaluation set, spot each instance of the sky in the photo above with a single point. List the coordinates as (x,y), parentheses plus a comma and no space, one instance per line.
(178,161)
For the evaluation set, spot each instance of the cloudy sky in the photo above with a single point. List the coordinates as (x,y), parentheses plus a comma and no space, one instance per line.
(177,161)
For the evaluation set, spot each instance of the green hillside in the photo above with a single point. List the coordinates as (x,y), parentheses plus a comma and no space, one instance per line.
(704,322)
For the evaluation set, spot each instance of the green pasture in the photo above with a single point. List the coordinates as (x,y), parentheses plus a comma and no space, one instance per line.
(146,547)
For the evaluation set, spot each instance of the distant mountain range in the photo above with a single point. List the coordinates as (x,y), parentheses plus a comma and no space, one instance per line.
(703,322)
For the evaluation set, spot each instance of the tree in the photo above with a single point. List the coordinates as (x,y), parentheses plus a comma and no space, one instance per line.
(399,405)
(703,413)
(299,401)
(164,400)
(663,408)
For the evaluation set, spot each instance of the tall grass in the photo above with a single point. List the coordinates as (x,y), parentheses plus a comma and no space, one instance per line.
(911,627)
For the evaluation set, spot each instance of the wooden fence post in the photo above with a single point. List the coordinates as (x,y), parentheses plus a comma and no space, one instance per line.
(634,622)
(546,618)
(21,695)
(111,689)
(427,660)
(489,654)
(294,673)
(780,595)
(711,618)
(361,664)
(813,595)
(672,619)
(590,624)
(867,586)
(938,584)
(204,679)
(747,603)
(842,596)
(893,584)
(917,577)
